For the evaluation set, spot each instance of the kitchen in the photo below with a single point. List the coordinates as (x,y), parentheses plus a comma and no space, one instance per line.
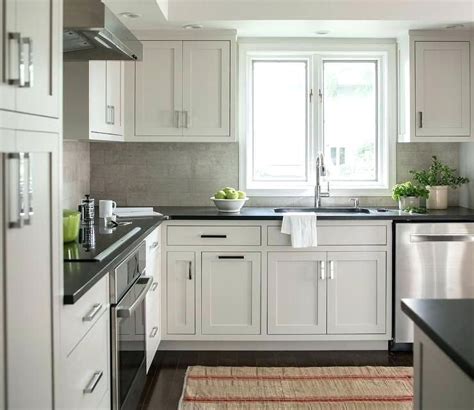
(274,199)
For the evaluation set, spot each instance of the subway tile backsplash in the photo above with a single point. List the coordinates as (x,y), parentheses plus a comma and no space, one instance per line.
(187,174)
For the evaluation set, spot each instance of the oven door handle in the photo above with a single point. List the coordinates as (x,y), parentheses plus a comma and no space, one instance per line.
(124,311)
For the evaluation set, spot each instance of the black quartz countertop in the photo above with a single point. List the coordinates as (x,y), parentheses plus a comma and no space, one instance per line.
(449,323)
(79,277)
(260,213)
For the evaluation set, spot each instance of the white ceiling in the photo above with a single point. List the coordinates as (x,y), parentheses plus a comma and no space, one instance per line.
(299,18)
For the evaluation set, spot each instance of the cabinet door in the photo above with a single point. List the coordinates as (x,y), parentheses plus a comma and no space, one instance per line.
(296,293)
(99,112)
(180,295)
(114,92)
(38,22)
(356,292)
(231,293)
(8,56)
(158,89)
(31,268)
(442,84)
(206,88)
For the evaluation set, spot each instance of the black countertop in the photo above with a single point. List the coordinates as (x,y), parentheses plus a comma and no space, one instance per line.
(253,213)
(79,277)
(450,324)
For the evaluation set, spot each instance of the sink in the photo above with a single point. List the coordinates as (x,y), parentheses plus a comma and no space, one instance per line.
(329,210)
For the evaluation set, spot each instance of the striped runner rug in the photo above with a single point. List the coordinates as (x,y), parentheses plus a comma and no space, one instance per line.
(249,388)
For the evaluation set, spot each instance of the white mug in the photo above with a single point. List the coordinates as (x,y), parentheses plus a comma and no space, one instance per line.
(106,208)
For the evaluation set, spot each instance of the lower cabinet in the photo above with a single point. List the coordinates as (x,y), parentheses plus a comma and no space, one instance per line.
(230,293)
(181,293)
(326,292)
(296,293)
(356,297)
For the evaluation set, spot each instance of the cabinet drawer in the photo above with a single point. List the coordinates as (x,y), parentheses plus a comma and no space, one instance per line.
(86,371)
(214,235)
(336,235)
(77,319)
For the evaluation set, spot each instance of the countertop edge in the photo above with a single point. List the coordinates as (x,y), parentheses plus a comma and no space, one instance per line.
(438,339)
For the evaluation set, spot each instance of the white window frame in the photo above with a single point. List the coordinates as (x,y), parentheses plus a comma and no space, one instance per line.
(315,51)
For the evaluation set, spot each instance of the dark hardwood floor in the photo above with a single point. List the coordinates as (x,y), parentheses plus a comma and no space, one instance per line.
(166,376)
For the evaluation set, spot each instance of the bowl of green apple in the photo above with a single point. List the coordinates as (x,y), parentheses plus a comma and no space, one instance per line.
(229,200)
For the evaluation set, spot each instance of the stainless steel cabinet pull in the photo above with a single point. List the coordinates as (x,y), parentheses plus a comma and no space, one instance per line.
(154,331)
(27,42)
(331,270)
(420,114)
(112,109)
(14,38)
(15,165)
(231,257)
(323,270)
(154,286)
(154,245)
(190,271)
(442,238)
(93,313)
(188,119)
(29,190)
(93,382)
(214,236)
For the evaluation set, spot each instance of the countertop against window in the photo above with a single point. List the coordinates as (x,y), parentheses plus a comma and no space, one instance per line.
(260,213)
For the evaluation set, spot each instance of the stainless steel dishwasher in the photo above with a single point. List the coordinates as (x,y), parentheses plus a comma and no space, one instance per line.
(432,261)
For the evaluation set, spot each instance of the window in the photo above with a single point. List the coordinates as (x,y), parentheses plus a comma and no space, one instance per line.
(294,105)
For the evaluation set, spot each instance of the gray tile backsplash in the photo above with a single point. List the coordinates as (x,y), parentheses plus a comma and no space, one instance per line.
(76,172)
(180,174)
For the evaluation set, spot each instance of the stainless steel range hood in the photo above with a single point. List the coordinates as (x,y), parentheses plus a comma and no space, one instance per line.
(93,32)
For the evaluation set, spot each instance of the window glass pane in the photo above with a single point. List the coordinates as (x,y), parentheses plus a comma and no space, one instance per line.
(279,120)
(350,119)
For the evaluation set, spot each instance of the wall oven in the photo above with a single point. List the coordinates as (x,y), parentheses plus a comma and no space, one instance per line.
(128,288)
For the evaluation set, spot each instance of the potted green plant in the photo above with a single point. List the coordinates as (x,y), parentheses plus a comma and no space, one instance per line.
(409,194)
(437,179)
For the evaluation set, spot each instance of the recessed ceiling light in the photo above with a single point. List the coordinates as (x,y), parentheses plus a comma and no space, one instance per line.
(192,26)
(321,32)
(451,26)
(129,15)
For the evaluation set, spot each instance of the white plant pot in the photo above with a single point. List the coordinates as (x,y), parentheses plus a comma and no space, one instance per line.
(408,202)
(438,198)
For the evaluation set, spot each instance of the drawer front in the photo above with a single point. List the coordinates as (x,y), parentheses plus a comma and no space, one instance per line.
(86,373)
(152,327)
(336,235)
(77,319)
(214,235)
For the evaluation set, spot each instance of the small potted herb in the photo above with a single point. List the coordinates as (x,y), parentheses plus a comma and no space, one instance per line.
(437,179)
(408,195)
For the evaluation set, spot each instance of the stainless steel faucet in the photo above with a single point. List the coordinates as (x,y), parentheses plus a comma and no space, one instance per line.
(320,172)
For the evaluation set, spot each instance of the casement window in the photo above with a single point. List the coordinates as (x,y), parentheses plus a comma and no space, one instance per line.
(295,104)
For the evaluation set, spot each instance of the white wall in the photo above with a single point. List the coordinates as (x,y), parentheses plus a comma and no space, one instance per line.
(466,168)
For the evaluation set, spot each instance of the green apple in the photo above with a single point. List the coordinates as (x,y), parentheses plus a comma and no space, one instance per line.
(242,194)
(220,195)
(228,189)
(232,195)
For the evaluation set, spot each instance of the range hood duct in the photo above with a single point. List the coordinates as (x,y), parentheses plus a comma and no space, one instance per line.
(93,32)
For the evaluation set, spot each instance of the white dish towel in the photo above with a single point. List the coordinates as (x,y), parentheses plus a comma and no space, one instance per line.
(302,227)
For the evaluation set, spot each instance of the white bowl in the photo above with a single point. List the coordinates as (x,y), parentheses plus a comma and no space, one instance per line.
(229,205)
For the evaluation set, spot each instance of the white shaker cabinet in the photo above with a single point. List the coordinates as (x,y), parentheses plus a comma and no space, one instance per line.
(181,92)
(442,88)
(231,293)
(181,292)
(31,68)
(296,293)
(356,292)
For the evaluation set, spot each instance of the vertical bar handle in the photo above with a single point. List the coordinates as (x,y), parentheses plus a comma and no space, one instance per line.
(322,270)
(27,42)
(331,269)
(14,38)
(29,188)
(188,119)
(112,109)
(420,116)
(190,271)
(17,189)
(93,382)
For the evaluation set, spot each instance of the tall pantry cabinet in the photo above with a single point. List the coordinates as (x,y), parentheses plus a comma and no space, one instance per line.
(30,223)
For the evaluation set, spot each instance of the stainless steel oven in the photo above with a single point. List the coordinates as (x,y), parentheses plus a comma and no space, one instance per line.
(128,288)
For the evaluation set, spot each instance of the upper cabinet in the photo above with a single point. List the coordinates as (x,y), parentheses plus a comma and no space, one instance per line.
(93,100)
(30,61)
(436,88)
(181,91)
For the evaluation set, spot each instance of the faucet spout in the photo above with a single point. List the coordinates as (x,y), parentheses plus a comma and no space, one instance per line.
(320,172)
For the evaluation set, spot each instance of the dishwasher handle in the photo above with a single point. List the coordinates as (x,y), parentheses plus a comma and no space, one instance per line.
(442,238)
